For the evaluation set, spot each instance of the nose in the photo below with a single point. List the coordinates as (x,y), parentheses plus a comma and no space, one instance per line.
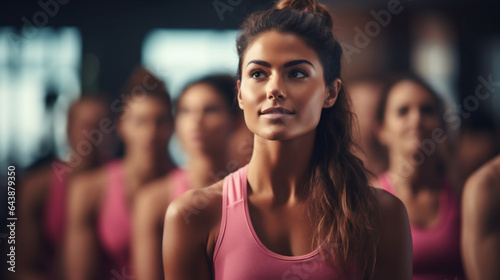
(416,118)
(276,88)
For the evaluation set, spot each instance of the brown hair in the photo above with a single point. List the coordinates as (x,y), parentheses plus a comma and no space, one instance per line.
(143,83)
(392,81)
(340,202)
(223,84)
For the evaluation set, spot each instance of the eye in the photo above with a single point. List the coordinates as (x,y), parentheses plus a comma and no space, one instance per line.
(161,120)
(402,111)
(257,74)
(428,110)
(297,73)
(183,110)
(212,109)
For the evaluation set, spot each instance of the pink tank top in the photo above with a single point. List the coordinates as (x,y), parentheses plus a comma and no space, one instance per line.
(436,250)
(239,254)
(55,213)
(114,223)
(180,183)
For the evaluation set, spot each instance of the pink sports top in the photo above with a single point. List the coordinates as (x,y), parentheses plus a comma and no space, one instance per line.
(180,183)
(55,213)
(239,254)
(114,222)
(436,250)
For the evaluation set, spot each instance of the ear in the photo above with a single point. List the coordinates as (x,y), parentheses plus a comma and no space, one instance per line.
(332,92)
(240,99)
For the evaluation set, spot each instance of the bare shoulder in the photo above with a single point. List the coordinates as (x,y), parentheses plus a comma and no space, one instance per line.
(36,184)
(199,207)
(389,205)
(486,177)
(392,222)
(157,191)
(153,199)
(86,190)
(482,189)
(394,250)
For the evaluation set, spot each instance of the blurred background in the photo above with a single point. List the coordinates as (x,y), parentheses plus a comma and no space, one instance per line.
(54,51)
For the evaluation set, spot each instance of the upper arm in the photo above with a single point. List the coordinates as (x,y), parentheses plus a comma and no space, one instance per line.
(394,251)
(31,203)
(148,217)
(480,228)
(188,235)
(81,247)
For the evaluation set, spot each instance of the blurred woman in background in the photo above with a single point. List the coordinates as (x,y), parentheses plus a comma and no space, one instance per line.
(411,127)
(44,191)
(480,223)
(99,220)
(206,115)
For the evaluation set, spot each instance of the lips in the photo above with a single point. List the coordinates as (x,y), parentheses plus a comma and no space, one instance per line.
(276,110)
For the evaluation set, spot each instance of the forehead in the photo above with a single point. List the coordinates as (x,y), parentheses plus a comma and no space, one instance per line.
(406,92)
(199,95)
(87,109)
(273,46)
(146,105)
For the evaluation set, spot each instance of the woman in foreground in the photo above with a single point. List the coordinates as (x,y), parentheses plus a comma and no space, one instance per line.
(302,207)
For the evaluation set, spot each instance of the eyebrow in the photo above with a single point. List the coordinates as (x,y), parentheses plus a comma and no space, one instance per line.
(288,64)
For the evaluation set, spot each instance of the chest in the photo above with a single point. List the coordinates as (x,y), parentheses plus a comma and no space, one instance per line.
(423,208)
(285,230)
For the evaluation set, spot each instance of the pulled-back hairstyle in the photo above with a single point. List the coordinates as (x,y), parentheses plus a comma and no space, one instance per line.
(143,83)
(223,84)
(340,202)
(394,80)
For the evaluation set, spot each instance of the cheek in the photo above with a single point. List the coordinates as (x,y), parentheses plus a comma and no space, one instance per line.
(249,102)
(392,131)
(164,132)
(433,122)
(311,106)
(394,124)
(252,92)
(181,127)
(218,125)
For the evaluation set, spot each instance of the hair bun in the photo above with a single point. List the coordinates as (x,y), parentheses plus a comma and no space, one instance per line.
(309,6)
(301,5)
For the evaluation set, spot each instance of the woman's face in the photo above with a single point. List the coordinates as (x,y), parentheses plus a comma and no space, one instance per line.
(146,126)
(410,116)
(282,89)
(203,121)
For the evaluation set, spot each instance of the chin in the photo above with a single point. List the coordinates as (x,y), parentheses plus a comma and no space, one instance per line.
(274,135)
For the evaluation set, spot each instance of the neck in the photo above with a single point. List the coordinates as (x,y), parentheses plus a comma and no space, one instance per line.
(205,169)
(140,168)
(280,167)
(85,163)
(410,175)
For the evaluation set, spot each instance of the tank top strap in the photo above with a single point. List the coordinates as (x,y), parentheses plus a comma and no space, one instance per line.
(115,177)
(235,185)
(232,186)
(449,200)
(386,182)
(114,218)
